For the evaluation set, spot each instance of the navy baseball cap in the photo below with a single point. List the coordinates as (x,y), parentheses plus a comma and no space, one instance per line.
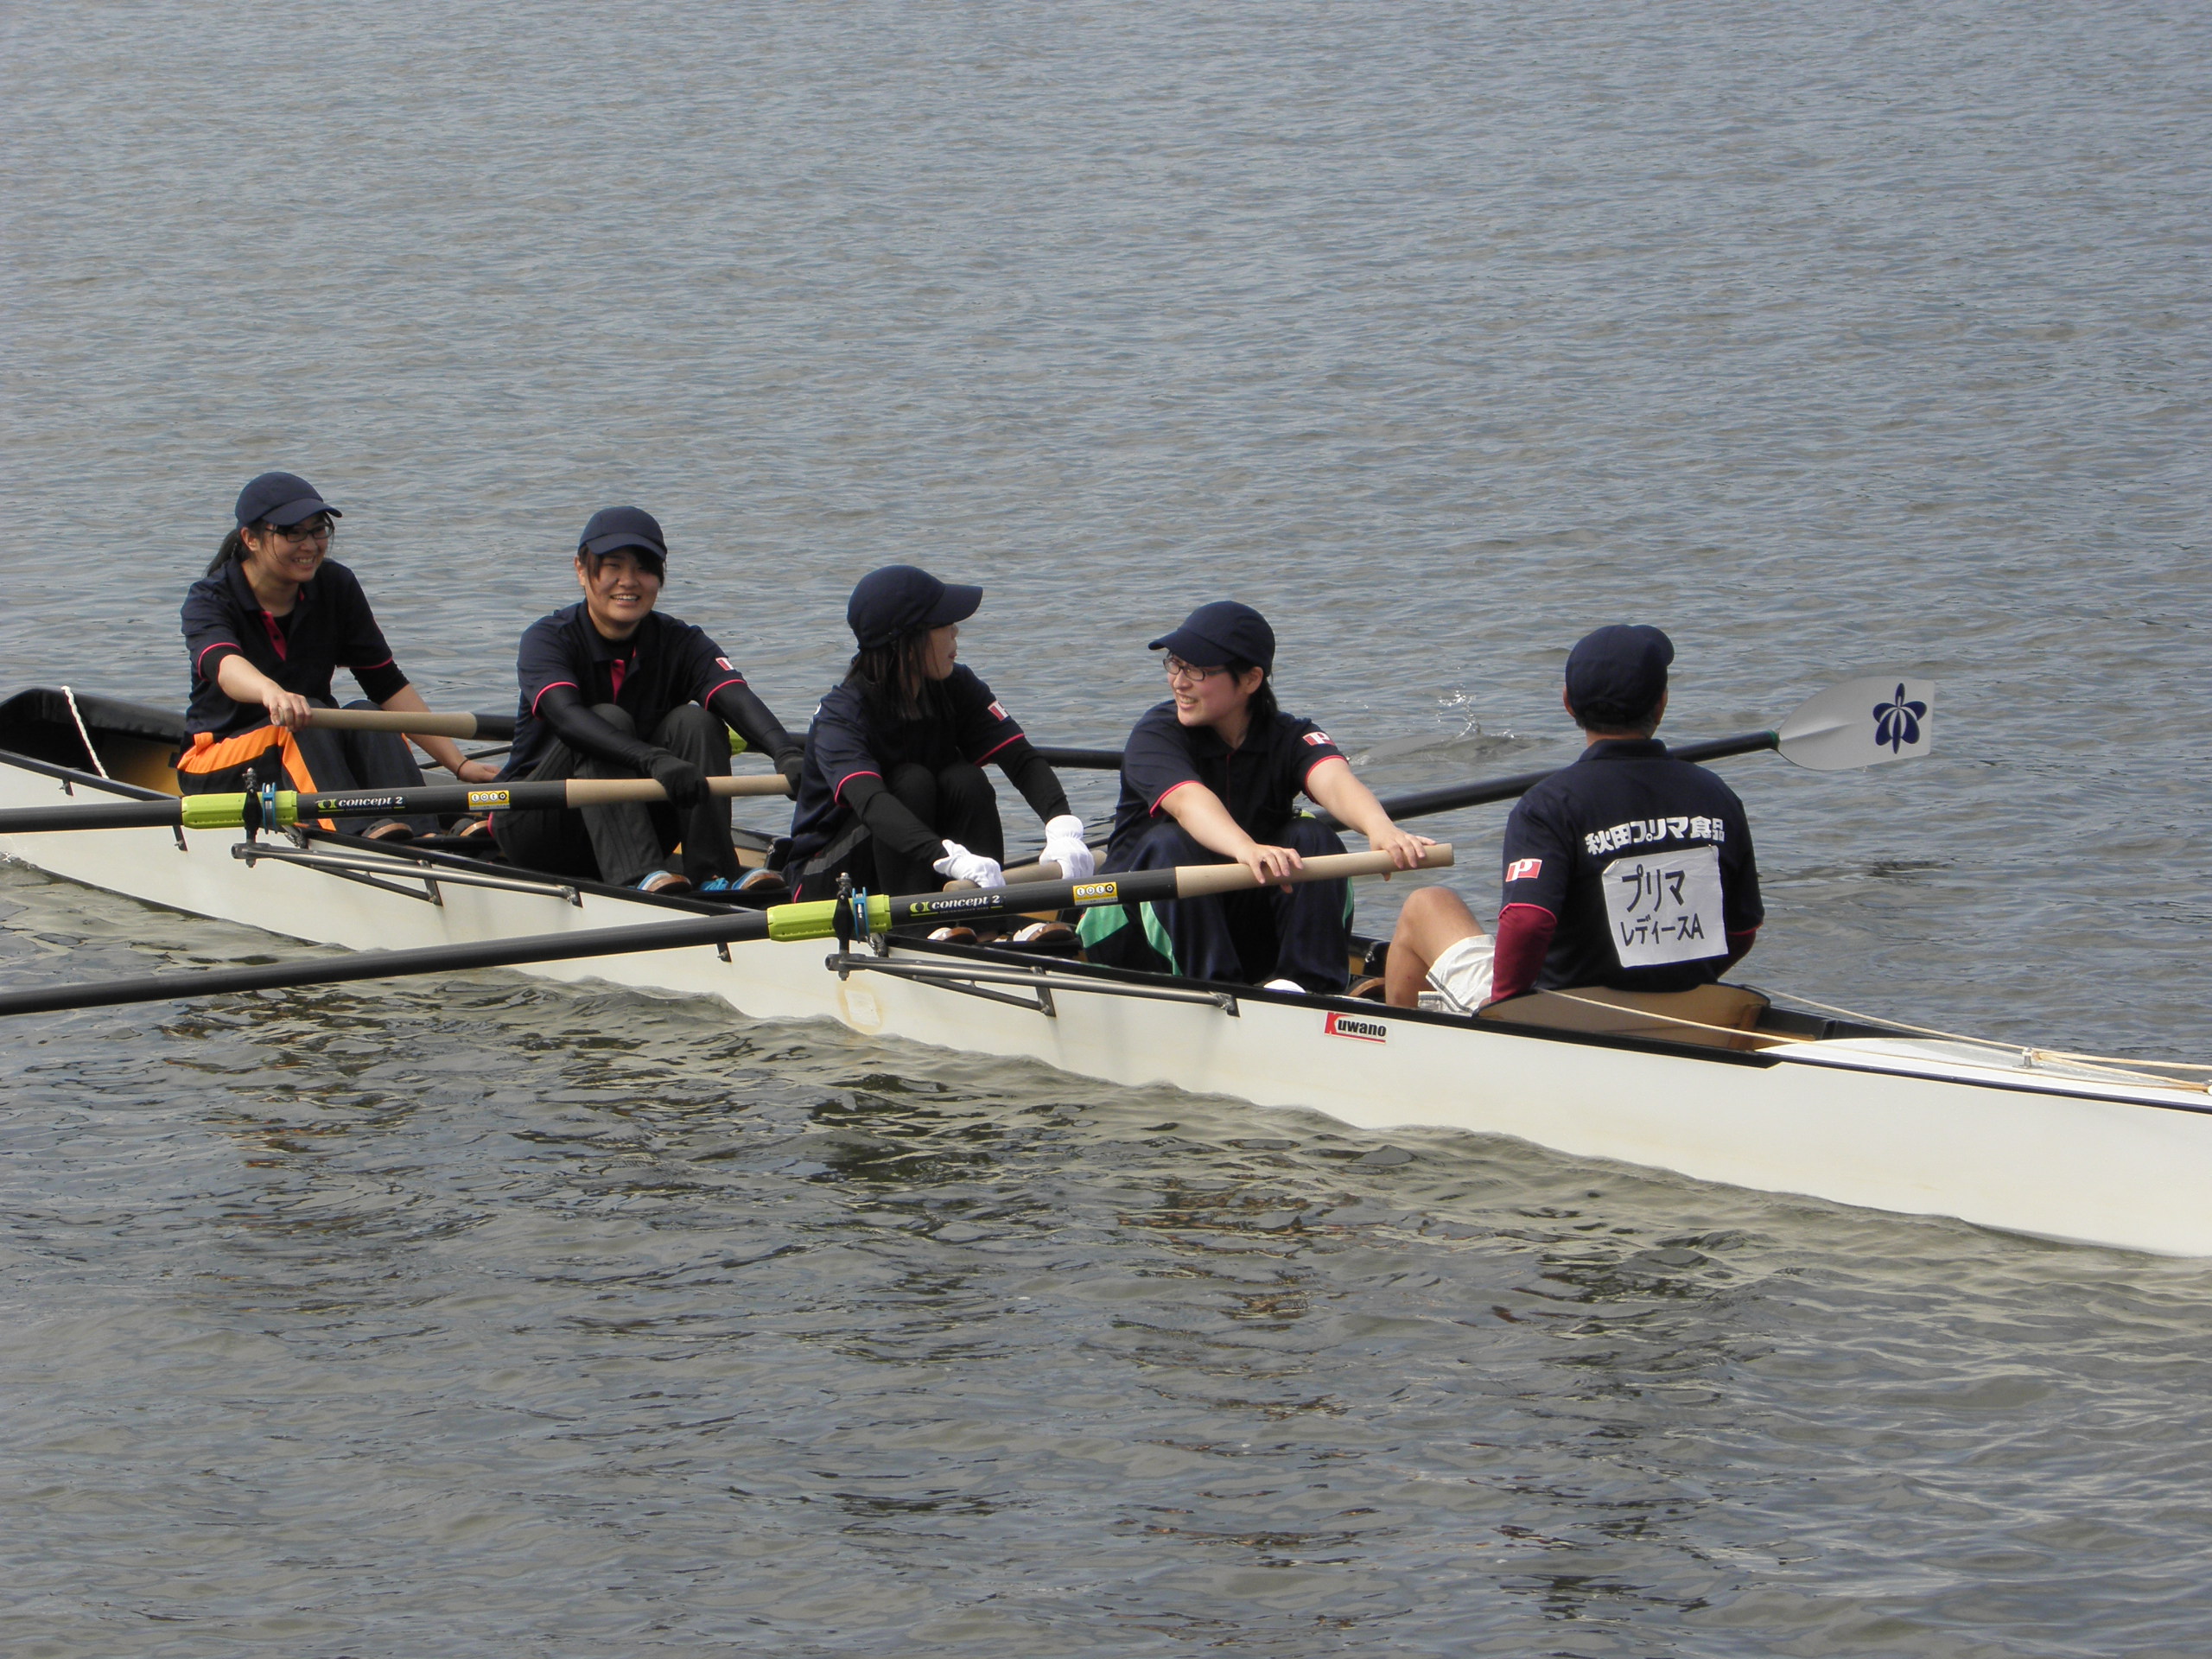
(900,599)
(281,499)
(1214,634)
(611,528)
(1615,674)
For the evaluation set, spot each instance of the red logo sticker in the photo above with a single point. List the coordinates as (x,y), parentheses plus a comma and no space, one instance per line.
(1316,739)
(1355,1026)
(997,713)
(723,663)
(1524,869)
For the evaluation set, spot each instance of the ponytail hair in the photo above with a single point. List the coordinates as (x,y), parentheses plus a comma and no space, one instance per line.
(232,550)
(1262,708)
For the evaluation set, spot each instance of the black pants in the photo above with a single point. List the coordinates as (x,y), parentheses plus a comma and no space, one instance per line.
(313,762)
(1243,938)
(624,842)
(957,800)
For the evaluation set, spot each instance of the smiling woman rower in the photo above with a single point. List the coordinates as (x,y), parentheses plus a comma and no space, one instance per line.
(894,790)
(595,677)
(1213,775)
(274,618)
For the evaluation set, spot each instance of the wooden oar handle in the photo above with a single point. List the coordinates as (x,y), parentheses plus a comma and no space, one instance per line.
(414,725)
(607,791)
(1200,880)
(1197,880)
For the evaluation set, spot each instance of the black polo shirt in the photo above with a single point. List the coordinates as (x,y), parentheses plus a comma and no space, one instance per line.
(1646,861)
(1258,781)
(330,627)
(843,743)
(665,665)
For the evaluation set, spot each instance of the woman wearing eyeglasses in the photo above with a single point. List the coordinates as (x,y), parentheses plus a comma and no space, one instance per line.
(274,618)
(1213,775)
(893,790)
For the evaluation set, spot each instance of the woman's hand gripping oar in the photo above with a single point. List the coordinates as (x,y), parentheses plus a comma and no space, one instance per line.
(800,922)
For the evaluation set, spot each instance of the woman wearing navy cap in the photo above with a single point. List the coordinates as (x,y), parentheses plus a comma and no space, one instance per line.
(1213,775)
(894,790)
(613,688)
(274,618)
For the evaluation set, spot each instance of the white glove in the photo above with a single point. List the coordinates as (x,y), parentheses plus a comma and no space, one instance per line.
(959,864)
(1063,846)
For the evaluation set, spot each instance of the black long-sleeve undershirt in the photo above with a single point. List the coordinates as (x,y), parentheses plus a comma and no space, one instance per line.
(563,708)
(892,822)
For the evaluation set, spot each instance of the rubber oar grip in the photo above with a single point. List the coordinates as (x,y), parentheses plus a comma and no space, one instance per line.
(413,724)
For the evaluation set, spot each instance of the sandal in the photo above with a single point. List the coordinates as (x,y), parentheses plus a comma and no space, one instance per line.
(662,882)
(389,829)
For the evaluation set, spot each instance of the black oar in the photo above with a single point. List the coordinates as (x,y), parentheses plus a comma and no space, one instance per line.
(279,809)
(1083,760)
(412,724)
(816,920)
(1859,723)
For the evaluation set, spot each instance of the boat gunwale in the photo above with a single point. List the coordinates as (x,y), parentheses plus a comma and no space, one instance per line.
(91,779)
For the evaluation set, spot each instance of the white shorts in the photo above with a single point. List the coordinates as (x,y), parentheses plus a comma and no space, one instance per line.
(1461,975)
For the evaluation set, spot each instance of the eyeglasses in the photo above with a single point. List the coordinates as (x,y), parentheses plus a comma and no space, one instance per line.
(316,532)
(1179,669)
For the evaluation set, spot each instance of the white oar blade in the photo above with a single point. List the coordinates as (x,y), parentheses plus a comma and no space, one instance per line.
(1862,723)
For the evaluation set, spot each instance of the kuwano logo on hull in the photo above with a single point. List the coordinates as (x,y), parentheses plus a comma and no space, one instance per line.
(1352,1024)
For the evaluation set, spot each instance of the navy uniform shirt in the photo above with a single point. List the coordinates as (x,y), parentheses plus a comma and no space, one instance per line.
(1258,781)
(330,627)
(663,665)
(1646,861)
(844,743)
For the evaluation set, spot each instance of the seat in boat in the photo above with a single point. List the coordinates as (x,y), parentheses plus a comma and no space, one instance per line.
(1653,1016)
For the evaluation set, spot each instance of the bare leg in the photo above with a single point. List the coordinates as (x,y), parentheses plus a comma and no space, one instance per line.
(1433,920)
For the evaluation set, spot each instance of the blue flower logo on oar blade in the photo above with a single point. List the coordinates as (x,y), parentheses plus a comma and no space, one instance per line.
(1897,723)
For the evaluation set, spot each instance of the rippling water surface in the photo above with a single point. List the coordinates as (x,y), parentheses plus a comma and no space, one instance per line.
(496,1316)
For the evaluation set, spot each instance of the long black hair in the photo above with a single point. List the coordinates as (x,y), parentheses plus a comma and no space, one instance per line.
(1262,708)
(893,682)
(232,550)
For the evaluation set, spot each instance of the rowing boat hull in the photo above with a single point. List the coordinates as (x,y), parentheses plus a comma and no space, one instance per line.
(1889,1126)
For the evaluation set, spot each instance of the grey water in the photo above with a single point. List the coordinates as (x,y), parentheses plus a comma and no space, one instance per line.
(496,1316)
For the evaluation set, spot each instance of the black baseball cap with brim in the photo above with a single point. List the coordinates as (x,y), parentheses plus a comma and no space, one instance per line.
(280,499)
(1616,674)
(902,598)
(1223,631)
(612,528)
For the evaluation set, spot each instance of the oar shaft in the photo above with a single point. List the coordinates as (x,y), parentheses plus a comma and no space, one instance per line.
(794,922)
(393,964)
(92,815)
(227,812)
(1402,807)
(413,724)
(1121,887)
(1082,759)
